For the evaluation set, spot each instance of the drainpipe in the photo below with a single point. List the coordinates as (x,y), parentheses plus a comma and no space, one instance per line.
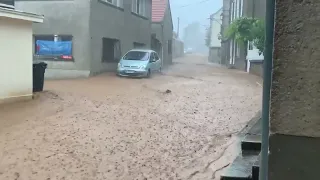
(163,43)
(267,79)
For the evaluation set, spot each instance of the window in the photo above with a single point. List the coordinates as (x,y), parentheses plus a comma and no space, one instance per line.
(139,7)
(53,47)
(170,46)
(118,3)
(111,50)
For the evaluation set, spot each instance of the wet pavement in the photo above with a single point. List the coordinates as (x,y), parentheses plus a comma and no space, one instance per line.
(180,124)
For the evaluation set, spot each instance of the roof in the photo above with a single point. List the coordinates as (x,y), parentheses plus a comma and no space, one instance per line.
(14,14)
(159,8)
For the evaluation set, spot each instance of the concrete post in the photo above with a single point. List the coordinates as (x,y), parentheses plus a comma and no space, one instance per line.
(294,141)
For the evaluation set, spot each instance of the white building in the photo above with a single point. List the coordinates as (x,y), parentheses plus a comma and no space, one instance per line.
(16,54)
(237,58)
(215,41)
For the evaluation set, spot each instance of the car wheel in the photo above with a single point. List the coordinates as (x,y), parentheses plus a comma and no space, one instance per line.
(149,73)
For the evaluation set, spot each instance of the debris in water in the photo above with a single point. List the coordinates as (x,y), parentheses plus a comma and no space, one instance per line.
(168,91)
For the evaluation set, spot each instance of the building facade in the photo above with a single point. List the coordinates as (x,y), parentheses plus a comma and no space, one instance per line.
(294,141)
(234,54)
(162,30)
(81,38)
(16,78)
(215,39)
(225,44)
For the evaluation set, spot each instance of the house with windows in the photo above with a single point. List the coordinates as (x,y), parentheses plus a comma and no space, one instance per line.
(234,54)
(16,76)
(80,38)
(162,30)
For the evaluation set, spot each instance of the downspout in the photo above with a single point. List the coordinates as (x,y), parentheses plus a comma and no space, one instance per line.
(163,43)
(267,79)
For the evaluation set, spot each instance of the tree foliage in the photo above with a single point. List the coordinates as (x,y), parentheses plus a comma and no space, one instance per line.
(259,31)
(246,29)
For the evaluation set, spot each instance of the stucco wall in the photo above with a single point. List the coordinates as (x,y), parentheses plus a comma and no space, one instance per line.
(215,27)
(164,35)
(177,48)
(295,97)
(296,75)
(88,22)
(110,22)
(64,18)
(254,8)
(256,68)
(15,58)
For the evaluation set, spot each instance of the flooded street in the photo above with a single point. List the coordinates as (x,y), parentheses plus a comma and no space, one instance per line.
(171,126)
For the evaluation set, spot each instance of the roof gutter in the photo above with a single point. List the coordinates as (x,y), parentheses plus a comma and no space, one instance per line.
(11,13)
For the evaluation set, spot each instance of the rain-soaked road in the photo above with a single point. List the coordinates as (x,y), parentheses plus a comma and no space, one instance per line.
(110,128)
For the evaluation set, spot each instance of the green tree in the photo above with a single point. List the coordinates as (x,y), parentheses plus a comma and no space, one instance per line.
(246,29)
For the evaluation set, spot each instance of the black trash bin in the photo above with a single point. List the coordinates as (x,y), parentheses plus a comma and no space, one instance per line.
(38,76)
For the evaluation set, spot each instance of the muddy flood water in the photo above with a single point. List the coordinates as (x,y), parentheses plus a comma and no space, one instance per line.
(175,125)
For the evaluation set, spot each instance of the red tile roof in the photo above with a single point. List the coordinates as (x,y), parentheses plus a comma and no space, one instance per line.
(159,8)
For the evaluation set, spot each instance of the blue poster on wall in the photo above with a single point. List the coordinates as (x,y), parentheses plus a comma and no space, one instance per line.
(54,48)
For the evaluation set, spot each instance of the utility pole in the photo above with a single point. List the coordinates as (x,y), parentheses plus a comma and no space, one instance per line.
(178,30)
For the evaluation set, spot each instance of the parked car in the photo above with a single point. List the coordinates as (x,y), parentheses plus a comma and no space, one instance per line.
(139,63)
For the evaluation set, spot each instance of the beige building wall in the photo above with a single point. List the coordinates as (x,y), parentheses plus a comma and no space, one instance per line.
(294,141)
(15,59)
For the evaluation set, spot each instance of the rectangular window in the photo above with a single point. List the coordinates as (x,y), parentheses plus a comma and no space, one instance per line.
(139,7)
(134,6)
(111,50)
(170,46)
(118,3)
(53,47)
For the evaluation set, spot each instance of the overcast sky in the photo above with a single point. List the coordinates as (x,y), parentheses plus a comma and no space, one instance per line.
(193,10)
